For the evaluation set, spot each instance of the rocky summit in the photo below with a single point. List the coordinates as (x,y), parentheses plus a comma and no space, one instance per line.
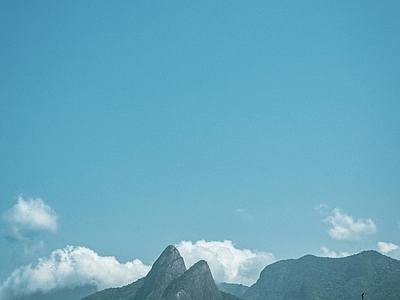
(168,266)
(168,279)
(196,283)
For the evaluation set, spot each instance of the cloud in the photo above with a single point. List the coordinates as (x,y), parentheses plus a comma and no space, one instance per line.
(28,217)
(389,249)
(227,263)
(325,252)
(345,228)
(245,214)
(80,266)
(321,208)
(70,267)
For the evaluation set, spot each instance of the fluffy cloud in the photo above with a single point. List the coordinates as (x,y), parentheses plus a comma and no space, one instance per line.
(389,249)
(345,228)
(29,216)
(70,267)
(80,266)
(326,252)
(227,263)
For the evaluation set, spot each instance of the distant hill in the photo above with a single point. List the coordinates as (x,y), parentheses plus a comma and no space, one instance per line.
(168,279)
(311,277)
(232,288)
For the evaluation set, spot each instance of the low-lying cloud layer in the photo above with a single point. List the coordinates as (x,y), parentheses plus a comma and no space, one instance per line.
(29,216)
(79,266)
(344,228)
(71,267)
(227,263)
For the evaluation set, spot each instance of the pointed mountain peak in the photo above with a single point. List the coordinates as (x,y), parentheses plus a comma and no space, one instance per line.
(195,283)
(200,267)
(169,254)
(168,266)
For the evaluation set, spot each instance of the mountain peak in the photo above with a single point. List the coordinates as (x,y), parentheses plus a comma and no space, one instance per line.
(166,268)
(169,255)
(195,283)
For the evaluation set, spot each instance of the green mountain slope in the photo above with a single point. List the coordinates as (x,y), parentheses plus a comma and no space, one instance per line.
(127,292)
(311,277)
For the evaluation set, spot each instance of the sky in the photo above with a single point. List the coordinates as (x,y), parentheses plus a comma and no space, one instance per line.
(242,132)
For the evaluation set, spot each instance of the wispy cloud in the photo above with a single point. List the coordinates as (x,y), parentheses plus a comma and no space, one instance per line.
(71,267)
(245,214)
(321,208)
(28,217)
(227,263)
(326,252)
(345,228)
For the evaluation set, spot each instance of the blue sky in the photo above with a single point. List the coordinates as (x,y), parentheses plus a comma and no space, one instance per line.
(273,125)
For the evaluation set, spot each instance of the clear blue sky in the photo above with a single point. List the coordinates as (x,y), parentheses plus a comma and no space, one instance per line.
(142,124)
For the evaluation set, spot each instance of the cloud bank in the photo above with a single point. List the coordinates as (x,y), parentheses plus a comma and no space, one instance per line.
(71,267)
(227,263)
(79,266)
(29,216)
(345,228)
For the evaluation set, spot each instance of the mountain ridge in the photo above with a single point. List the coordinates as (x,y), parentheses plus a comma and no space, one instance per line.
(306,278)
(312,277)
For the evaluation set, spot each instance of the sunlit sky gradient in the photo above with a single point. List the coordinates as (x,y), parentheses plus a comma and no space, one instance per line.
(134,125)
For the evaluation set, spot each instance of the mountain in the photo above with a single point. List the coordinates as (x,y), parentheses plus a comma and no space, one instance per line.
(311,277)
(126,292)
(167,267)
(232,288)
(60,294)
(168,279)
(196,283)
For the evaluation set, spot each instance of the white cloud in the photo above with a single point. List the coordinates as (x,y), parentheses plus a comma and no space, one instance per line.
(70,267)
(78,266)
(227,263)
(345,228)
(29,216)
(326,252)
(389,249)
